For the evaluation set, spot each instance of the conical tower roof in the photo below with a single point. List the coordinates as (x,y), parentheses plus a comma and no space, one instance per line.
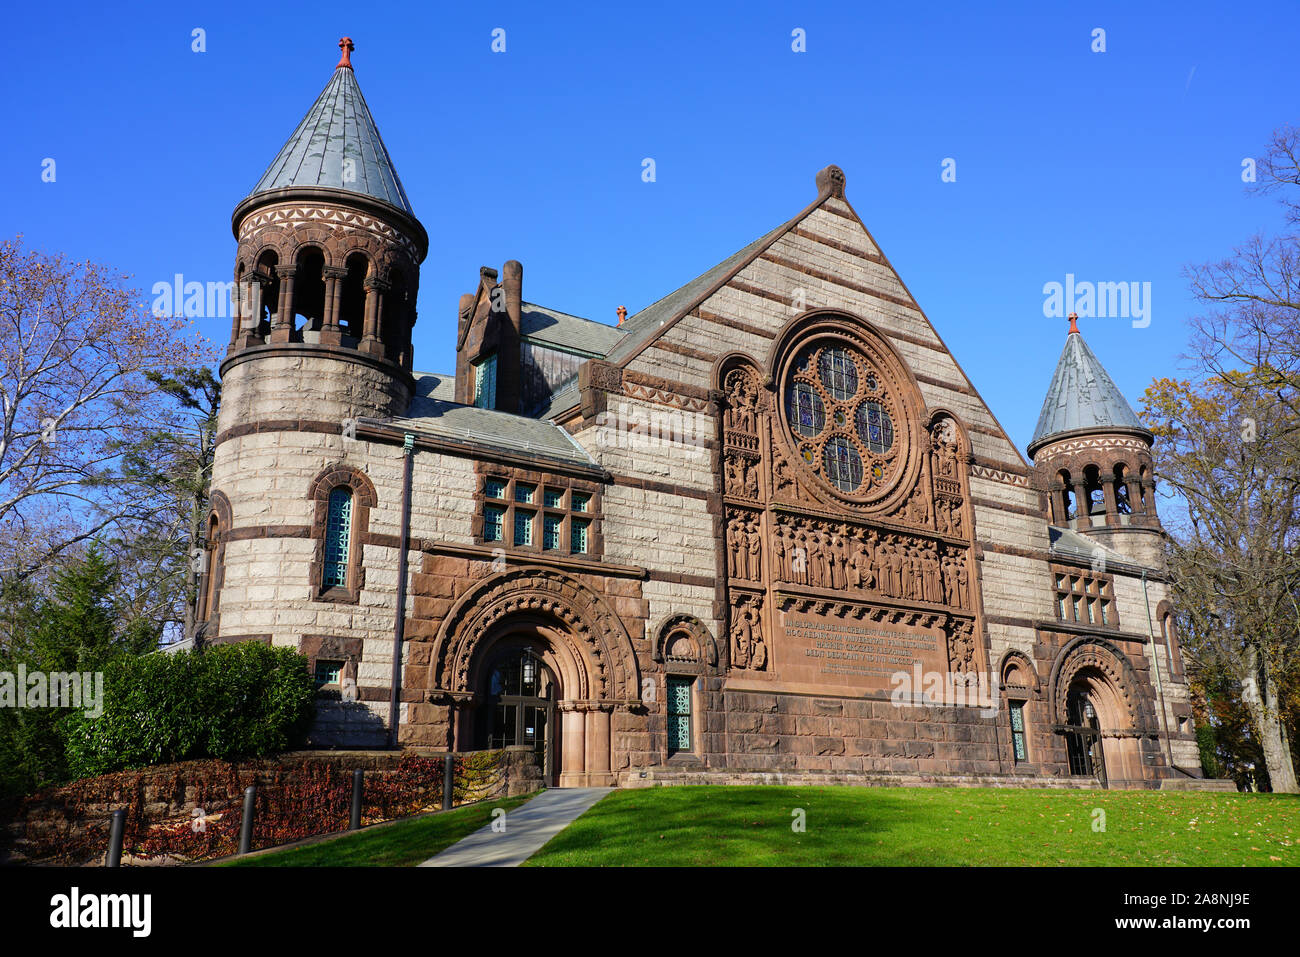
(1082,397)
(337,128)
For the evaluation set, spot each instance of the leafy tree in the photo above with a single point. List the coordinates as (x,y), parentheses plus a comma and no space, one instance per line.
(170,463)
(80,626)
(1233,560)
(75,347)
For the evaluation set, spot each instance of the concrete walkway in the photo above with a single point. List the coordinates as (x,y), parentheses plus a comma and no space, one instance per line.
(528,827)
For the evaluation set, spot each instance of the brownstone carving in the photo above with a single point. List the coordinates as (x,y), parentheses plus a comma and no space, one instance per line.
(744,545)
(748,648)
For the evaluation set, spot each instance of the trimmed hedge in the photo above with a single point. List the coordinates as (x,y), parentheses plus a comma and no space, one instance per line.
(233,701)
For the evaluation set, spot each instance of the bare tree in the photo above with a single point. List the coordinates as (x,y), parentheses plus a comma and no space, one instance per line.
(75,345)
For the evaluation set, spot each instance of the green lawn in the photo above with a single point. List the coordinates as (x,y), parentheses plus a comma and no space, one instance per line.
(752,826)
(403,844)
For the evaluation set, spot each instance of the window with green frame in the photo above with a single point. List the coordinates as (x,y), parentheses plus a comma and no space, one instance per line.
(493,522)
(494,488)
(328,672)
(485,383)
(523,528)
(1021,752)
(551,525)
(578,536)
(338,535)
(679,713)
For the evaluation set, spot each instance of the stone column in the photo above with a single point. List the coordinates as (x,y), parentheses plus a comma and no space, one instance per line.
(1149,501)
(1108,494)
(282,323)
(331,334)
(1081,503)
(598,756)
(370,341)
(1137,508)
(251,317)
(573,739)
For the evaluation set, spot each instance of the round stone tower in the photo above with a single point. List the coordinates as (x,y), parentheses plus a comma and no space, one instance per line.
(326,274)
(326,277)
(1092,457)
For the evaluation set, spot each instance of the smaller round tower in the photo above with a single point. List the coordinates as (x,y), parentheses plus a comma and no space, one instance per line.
(326,274)
(1092,458)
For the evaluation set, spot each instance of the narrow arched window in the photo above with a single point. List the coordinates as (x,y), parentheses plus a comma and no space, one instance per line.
(338,538)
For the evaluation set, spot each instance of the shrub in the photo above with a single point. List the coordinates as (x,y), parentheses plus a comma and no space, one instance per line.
(233,701)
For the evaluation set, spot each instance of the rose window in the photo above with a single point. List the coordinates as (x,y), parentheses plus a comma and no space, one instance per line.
(842,418)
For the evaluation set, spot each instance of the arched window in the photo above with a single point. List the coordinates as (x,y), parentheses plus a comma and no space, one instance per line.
(338,538)
(309,291)
(342,497)
(1066,497)
(1122,504)
(352,299)
(396,331)
(1096,503)
(269,294)
(1169,638)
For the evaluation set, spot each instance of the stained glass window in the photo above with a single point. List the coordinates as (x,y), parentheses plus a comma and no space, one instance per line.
(524,493)
(1018,730)
(338,534)
(493,519)
(553,497)
(551,531)
(578,536)
(580,501)
(494,488)
(839,374)
(875,427)
(807,412)
(843,464)
(679,714)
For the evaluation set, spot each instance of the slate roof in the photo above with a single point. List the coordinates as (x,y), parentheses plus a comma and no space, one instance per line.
(560,329)
(338,126)
(1082,396)
(432,413)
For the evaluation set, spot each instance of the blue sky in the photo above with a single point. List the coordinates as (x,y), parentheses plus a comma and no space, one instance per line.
(1115,166)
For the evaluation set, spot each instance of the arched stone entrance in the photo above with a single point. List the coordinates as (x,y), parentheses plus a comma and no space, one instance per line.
(1097,713)
(585,670)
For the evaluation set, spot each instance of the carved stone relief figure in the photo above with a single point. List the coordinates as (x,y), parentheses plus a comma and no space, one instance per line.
(748,649)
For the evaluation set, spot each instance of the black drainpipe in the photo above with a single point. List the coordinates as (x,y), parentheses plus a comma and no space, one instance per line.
(399,617)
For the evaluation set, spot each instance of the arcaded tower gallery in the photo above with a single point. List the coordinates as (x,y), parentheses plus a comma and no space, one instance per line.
(710,541)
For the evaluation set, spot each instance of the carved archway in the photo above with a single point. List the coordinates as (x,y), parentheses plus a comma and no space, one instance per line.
(573,630)
(1094,669)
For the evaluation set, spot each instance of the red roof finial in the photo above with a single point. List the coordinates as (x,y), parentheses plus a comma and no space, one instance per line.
(1074,323)
(345,44)
(622,314)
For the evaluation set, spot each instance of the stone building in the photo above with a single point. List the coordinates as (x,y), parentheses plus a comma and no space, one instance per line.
(766,524)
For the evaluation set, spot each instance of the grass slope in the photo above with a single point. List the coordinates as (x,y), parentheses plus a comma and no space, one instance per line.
(752,826)
(403,844)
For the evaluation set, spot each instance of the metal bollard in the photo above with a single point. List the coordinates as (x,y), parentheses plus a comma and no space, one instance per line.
(448,780)
(246,826)
(116,828)
(356,798)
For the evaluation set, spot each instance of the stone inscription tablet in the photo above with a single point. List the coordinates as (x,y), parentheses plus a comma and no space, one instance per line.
(858,653)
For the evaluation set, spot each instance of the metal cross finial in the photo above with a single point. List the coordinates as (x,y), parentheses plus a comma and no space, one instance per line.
(1074,323)
(345,44)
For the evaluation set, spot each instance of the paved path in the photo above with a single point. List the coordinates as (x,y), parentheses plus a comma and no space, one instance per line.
(528,827)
